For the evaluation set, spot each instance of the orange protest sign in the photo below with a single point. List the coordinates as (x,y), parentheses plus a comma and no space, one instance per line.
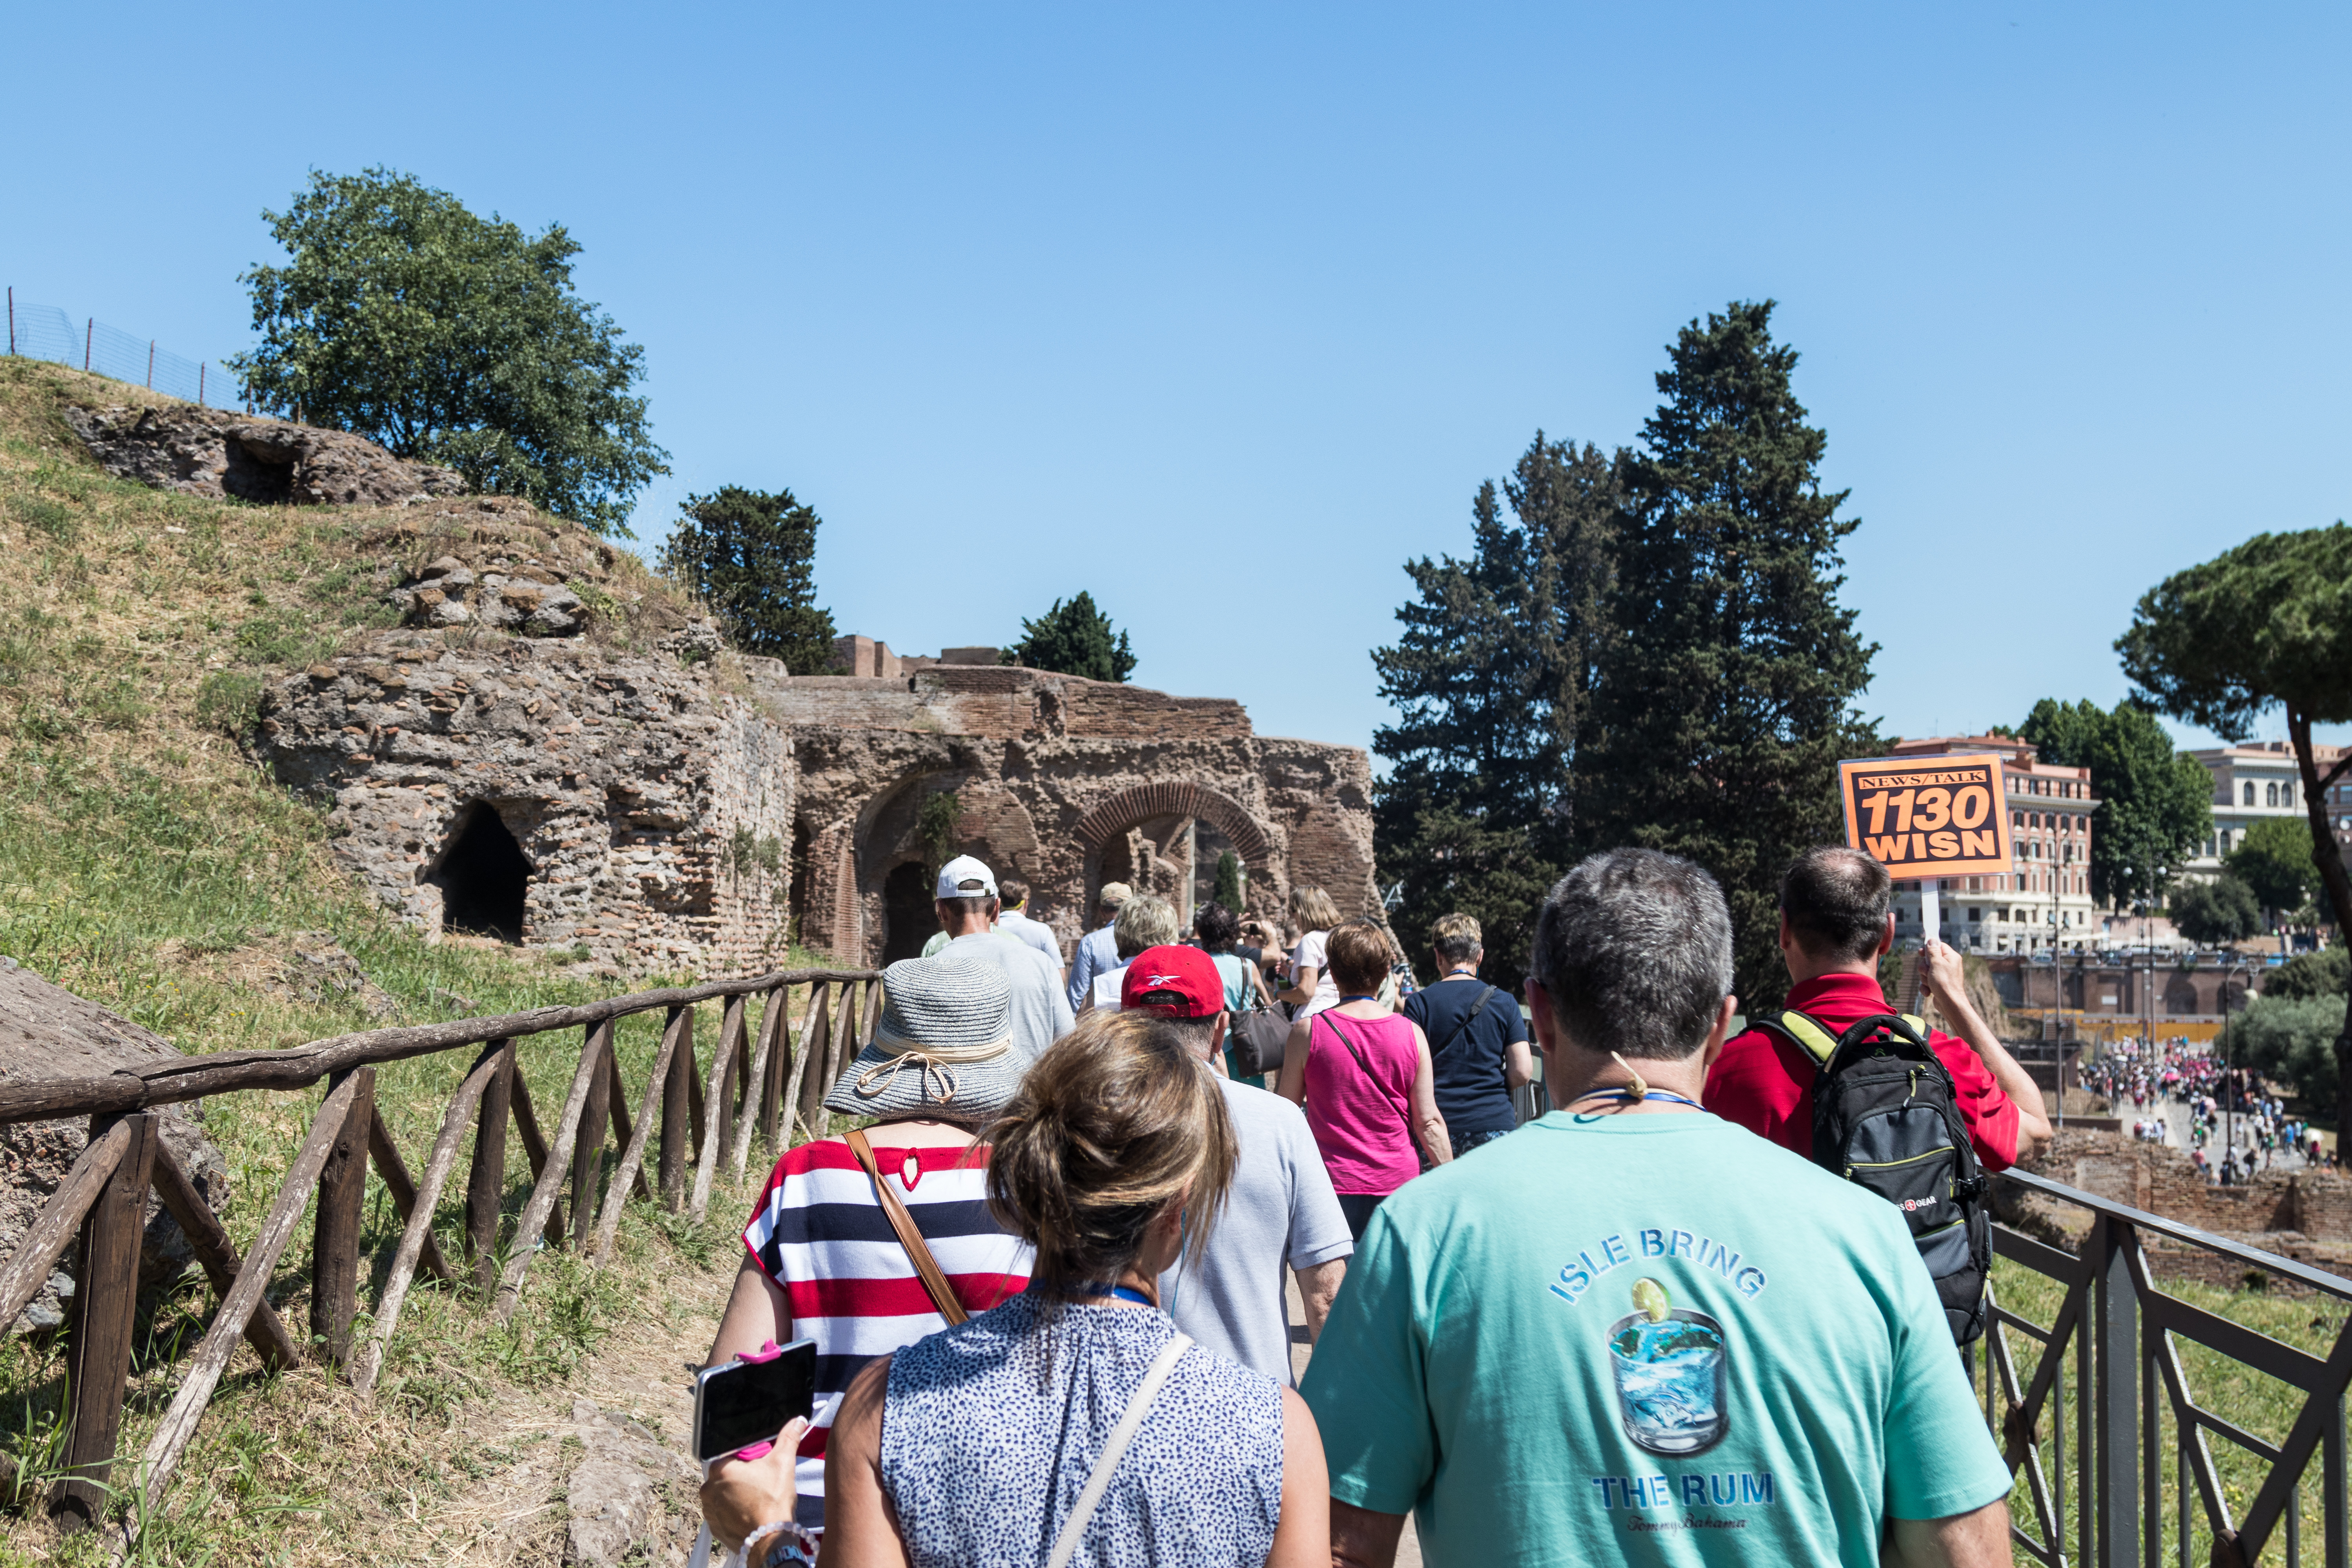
(1928,817)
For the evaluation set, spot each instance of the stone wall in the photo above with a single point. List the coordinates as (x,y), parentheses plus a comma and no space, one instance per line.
(625,781)
(697,815)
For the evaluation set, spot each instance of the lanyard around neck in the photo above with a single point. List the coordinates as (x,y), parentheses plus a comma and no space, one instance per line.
(1122,1292)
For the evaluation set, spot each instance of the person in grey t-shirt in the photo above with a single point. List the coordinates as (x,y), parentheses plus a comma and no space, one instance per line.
(1280,1208)
(966,902)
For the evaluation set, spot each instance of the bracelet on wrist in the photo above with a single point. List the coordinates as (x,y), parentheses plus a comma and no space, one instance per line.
(785,1542)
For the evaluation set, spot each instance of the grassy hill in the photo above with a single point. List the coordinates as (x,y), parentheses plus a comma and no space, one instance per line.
(147,863)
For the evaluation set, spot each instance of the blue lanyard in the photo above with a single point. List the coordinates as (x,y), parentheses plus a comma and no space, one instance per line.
(1630,1097)
(1123,1292)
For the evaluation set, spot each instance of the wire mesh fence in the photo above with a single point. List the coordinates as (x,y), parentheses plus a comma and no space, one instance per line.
(44,332)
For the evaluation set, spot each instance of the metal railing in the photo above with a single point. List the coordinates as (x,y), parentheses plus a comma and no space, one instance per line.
(47,332)
(2133,1411)
(688,1119)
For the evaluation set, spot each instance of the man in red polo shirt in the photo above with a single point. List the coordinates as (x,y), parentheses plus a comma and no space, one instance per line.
(1836,923)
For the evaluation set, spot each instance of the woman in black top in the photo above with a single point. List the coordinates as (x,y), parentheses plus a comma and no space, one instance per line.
(1477,1040)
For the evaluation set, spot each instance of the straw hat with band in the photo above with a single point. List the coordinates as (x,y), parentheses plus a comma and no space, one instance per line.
(944,1043)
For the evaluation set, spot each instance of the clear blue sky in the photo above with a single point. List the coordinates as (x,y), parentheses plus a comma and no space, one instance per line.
(1222,312)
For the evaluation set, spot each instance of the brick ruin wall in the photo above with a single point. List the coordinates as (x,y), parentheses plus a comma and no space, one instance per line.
(666,810)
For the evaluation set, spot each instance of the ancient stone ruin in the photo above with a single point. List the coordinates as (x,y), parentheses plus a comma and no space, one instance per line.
(549,755)
(210,452)
(659,813)
(47,1032)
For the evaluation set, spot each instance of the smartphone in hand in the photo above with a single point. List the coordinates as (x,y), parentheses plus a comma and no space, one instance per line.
(739,1406)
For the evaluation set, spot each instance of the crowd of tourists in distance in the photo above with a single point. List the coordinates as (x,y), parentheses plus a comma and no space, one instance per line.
(1046,1280)
(2255,1134)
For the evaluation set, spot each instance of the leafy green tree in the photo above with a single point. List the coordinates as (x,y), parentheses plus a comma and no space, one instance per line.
(1228,888)
(2215,913)
(1492,681)
(2154,804)
(1075,638)
(1729,695)
(2325,973)
(452,339)
(2267,625)
(2273,859)
(2289,1040)
(752,554)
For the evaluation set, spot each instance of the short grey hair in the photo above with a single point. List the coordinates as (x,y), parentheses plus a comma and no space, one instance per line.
(1634,950)
(1144,920)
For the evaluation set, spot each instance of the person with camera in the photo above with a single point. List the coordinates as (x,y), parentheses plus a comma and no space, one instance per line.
(1075,1424)
(823,1260)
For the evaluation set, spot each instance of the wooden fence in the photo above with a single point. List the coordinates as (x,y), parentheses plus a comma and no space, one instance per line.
(690,1116)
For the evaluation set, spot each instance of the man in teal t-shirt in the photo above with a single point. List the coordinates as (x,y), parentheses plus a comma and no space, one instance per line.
(1636,1333)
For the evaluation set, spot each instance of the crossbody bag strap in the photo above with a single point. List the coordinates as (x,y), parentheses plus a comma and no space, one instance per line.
(918,1251)
(1347,1040)
(1130,1421)
(1462,1027)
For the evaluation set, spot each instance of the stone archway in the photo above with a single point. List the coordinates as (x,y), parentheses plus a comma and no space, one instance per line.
(1193,822)
(1108,818)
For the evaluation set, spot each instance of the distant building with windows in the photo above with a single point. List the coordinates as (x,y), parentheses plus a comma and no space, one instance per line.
(2043,902)
(2251,783)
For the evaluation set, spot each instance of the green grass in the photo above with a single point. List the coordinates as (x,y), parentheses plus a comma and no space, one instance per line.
(147,864)
(2257,1403)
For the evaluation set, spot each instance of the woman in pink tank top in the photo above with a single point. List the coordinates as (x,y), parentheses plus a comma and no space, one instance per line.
(1363,1075)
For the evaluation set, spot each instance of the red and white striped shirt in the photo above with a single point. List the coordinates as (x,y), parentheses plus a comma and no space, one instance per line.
(819,1232)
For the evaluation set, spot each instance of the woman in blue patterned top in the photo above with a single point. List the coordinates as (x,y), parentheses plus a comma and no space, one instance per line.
(1074,1425)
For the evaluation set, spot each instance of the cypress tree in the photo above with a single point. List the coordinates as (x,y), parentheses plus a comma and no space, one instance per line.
(1492,681)
(1728,697)
(753,554)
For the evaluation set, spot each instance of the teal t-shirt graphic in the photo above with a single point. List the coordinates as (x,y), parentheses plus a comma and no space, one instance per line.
(1644,1338)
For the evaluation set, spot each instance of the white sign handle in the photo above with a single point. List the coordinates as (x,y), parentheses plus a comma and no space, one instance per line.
(1931,914)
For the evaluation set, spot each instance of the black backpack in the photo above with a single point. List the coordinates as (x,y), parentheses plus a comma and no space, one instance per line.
(1887,1117)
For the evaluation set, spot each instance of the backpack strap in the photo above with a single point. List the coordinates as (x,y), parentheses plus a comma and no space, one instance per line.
(1808,1034)
(919,1252)
(1463,1026)
(1817,1039)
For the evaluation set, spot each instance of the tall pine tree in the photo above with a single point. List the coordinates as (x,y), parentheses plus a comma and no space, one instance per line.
(1491,681)
(1728,697)
(752,554)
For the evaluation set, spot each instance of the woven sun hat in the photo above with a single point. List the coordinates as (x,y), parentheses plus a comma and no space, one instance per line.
(944,1041)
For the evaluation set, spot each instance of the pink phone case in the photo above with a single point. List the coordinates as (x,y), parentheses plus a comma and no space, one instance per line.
(769,1351)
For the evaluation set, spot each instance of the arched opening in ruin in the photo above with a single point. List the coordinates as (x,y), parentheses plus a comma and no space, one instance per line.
(908,920)
(483,878)
(798,899)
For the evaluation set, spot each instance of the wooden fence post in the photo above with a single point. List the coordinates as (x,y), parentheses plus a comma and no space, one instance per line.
(537,1212)
(631,1171)
(720,1097)
(755,1077)
(486,1185)
(335,1231)
(816,1030)
(772,1082)
(588,1153)
(203,1372)
(534,1144)
(675,1134)
(724,1079)
(106,1298)
(839,1048)
(269,1336)
(418,1233)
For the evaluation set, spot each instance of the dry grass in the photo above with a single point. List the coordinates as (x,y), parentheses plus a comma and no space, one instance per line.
(147,863)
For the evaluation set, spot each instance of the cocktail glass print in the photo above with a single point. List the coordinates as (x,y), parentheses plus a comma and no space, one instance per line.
(1670,1380)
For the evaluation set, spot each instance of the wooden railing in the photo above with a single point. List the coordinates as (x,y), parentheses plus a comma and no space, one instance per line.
(690,1118)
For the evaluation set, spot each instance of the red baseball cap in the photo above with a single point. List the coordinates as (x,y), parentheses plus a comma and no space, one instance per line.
(1186,971)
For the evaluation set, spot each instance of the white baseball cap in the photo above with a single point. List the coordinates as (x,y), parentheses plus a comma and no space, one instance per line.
(965,878)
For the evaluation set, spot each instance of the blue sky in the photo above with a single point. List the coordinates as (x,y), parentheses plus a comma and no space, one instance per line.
(1222,312)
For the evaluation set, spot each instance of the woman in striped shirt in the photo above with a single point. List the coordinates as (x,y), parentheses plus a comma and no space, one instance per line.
(822,1260)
